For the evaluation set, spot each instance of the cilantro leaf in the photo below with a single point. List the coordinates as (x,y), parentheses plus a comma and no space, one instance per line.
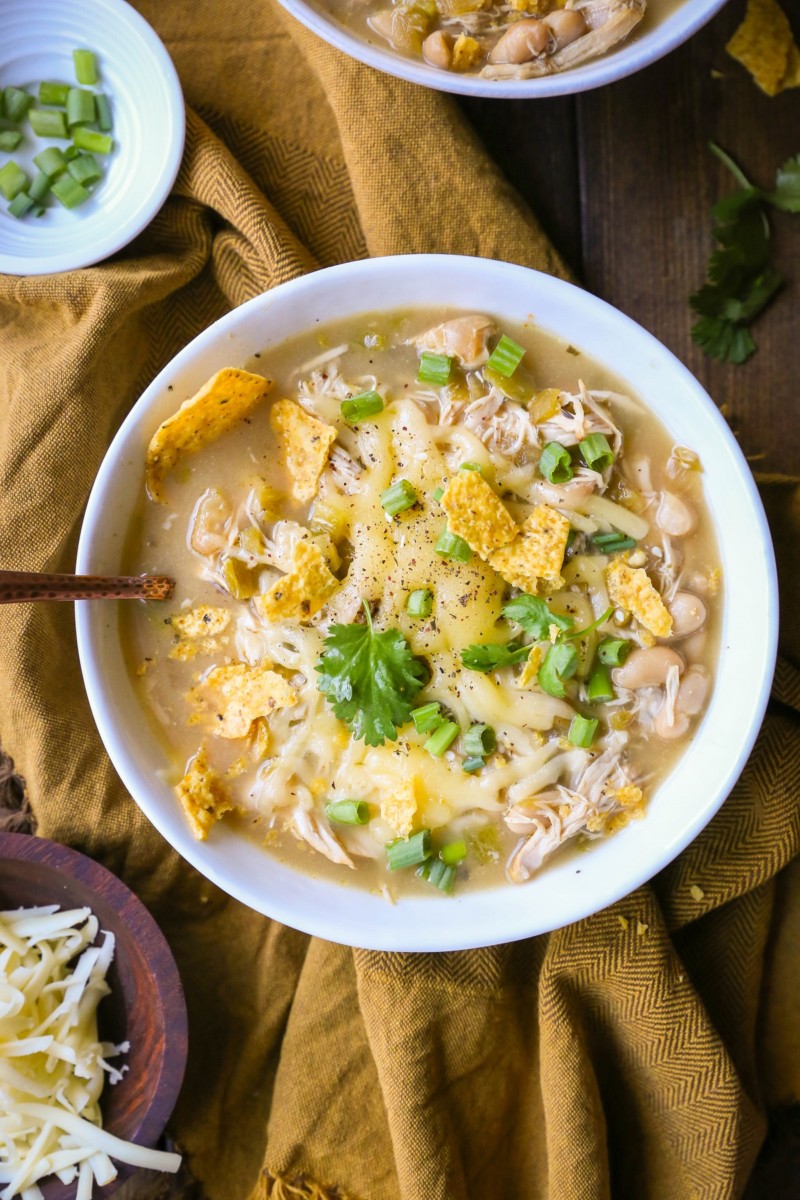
(787,186)
(560,663)
(370,680)
(533,614)
(489,656)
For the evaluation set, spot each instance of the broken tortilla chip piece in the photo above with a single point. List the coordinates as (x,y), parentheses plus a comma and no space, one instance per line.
(197,631)
(534,559)
(399,808)
(630,588)
(305,445)
(765,47)
(477,514)
(202,796)
(227,398)
(238,694)
(303,591)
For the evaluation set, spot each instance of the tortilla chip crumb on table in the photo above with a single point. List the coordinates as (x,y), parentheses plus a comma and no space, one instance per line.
(630,588)
(226,398)
(197,631)
(765,47)
(399,807)
(477,514)
(305,445)
(534,559)
(237,694)
(202,796)
(303,591)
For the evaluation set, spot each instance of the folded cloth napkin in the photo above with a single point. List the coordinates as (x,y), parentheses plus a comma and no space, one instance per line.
(623,1054)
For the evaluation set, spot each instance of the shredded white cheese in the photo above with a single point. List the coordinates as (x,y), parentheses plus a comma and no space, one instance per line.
(52,1063)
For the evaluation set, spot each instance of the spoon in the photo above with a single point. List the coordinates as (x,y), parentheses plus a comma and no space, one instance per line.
(17,586)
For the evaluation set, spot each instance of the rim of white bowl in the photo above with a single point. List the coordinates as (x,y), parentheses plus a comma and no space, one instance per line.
(422,931)
(632,56)
(107,228)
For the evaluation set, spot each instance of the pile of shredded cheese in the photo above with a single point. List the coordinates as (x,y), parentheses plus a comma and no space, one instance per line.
(52,1064)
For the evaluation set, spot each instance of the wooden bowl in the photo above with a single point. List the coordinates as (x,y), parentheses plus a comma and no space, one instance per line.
(146,1006)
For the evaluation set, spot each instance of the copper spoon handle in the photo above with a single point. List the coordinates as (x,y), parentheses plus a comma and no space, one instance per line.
(16,586)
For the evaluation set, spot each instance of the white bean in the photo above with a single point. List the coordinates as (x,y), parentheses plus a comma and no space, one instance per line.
(437,50)
(693,692)
(688,614)
(675,517)
(567,26)
(662,727)
(647,668)
(521,43)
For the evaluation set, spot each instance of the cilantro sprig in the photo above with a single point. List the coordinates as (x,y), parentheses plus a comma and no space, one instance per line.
(370,679)
(490,656)
(741,278)
(534,616)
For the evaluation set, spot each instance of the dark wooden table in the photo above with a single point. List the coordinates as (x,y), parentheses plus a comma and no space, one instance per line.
(623,182)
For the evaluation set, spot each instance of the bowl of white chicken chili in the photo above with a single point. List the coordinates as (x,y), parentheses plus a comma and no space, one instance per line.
(475,610)
(512,50)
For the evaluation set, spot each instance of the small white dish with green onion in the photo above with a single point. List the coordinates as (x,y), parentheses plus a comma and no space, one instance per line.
(92,128)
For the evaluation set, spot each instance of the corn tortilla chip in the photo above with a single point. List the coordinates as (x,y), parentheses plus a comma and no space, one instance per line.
(476,514)
(305,445)
(202,796)
(303,591)
(534,559)
(630,588)
(400,808)
(238,694)
(765,47)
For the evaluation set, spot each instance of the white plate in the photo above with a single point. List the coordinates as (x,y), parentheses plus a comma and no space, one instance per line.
(570,886)
(37,38)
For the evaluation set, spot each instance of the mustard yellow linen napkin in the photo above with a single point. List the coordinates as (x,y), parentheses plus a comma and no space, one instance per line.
(623,1055)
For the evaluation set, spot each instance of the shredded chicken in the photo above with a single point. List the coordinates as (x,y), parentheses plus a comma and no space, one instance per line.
(319,836)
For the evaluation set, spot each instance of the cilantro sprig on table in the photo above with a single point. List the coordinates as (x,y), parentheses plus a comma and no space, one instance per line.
(741,278)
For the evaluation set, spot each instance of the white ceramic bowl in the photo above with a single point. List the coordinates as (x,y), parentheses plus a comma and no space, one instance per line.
(644,47)
(570,887)
(37,38)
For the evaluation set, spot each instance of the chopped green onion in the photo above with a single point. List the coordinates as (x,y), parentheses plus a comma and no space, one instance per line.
(85,66)
(358,408)
(348,812)
(611,543)
(437,494)
(69,192)
(582,731)
(39,210)
(434,368)
(471,765)
(560,663)
(40,187)
(51,162)
(20,204)
(439,874)
(599,687)
(53,93)
(427,717)
(601,620)
(10,139)
(95,143)
(398,497)
(443,737)
(84,168)
(48,122)
(450,545)
(409,852)
(104,118)
(555,463)
(471,466)
(420,603)
(453,853)
(71,152)
(596,452)
(13,180)
(479,740)
(613,651)
(17,103)
(506,357)
(80,107)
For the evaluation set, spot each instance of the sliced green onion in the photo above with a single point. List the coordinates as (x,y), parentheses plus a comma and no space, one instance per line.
(40,187)
(600,687)
(53,93)
(13,180)
(10,139)
(560,663)
(85,66)
(39,210)
(348,812)
(80,107)
(85,168)
(555,463)
(427,717)
(20,204)
(596,452)
(450,545)
(409,852)
(601,620)
(16,103)
(582,731)
(420,603)
(358,408)
(434,368)
(71,152)
(437,494)
(611,543)
(48,122)
(439,874)
(479,740)
(443,737)
(471,466)
(613,651)
(104,119)
(453,853)
(471,765)
(506,357)
(51,162)
(95,143)
(69,192)
(398,497)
